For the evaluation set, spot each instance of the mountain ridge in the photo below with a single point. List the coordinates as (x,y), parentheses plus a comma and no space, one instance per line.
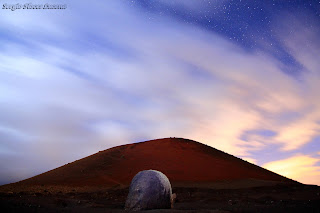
(184,161)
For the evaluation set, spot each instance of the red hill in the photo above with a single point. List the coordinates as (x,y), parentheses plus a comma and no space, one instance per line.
(183,161)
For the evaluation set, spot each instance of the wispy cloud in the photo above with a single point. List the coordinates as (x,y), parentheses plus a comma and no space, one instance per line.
(113,76)
(298,167)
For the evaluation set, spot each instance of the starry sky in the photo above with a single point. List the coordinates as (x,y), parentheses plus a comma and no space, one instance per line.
(242,76)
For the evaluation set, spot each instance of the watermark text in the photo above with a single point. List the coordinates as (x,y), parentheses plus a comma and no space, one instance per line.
(30,6)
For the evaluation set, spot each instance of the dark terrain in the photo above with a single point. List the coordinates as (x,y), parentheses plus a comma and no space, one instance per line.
(279,198)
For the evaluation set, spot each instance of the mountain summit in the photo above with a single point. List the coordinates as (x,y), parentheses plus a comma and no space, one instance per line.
(183,161)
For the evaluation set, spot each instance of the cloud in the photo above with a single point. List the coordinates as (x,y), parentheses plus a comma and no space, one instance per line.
(303,44)
(299,167)
(299,133)
(113,77)
(197,7)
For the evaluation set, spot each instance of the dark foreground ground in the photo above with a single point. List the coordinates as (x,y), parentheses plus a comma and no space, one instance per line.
(281,198)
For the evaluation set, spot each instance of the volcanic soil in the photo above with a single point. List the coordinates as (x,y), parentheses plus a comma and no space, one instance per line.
(204,179)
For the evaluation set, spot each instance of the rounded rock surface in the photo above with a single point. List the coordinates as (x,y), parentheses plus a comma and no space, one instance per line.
(149,189)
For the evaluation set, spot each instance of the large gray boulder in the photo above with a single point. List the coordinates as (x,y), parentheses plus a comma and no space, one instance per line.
(149,189)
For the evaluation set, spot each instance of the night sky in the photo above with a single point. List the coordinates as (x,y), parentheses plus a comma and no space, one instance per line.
(241,76)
